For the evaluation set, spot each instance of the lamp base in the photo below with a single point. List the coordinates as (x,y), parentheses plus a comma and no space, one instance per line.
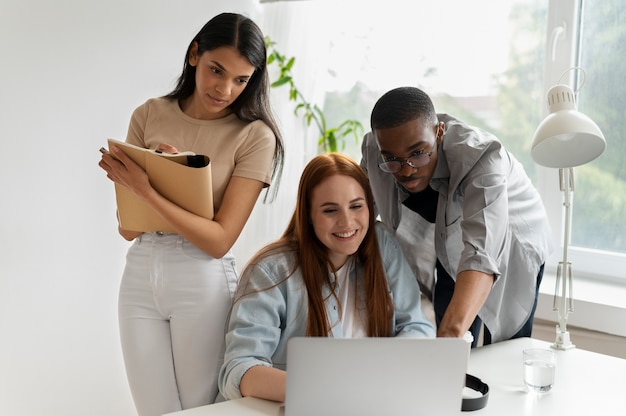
(562,341)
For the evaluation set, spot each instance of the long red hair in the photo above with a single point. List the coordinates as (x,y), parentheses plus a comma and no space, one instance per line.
(312,255)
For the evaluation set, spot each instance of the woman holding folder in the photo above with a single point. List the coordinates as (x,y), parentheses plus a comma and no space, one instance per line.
(177,287)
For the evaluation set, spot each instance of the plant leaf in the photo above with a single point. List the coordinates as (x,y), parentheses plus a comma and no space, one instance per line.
(281,81)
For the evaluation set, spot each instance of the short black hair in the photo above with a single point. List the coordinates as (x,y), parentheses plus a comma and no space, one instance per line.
(401,105)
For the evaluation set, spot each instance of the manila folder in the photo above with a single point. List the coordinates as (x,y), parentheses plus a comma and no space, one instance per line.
(184,179)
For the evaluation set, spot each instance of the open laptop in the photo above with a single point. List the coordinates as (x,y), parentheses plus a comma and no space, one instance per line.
(375,376)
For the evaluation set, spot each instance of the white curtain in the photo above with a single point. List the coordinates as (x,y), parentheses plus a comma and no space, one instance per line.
(294,26)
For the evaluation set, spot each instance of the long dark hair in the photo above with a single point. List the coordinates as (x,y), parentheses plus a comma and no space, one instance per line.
(312,255)
(240,32)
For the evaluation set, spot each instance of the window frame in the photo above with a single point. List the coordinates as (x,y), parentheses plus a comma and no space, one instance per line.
(562,53)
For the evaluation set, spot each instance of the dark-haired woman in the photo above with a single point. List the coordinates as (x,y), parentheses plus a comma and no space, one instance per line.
(177,288)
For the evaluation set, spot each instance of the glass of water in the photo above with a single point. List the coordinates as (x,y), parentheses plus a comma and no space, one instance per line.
(539,369)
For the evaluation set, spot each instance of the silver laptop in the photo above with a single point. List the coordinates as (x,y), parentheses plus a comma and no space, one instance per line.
(375,376)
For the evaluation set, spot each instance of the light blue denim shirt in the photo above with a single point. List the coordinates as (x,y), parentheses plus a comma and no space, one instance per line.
(261,323)
(490,218)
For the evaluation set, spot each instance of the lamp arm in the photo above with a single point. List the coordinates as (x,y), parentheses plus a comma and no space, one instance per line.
(568,230)
(563,304)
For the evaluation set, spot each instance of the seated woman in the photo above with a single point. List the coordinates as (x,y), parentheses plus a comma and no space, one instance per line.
(335,272)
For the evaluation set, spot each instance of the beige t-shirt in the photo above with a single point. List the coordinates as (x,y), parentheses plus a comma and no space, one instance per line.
(235,147)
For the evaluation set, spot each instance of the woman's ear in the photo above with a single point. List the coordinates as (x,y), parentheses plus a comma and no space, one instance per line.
(193,54)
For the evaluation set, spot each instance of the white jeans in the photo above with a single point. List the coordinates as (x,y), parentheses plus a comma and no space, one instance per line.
(173,304)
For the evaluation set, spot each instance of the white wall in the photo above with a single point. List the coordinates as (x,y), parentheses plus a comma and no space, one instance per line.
(71,72)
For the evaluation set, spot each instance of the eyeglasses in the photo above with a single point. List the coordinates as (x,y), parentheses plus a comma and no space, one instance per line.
(416,160)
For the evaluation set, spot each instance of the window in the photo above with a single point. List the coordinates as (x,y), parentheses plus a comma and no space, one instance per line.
(482,68)
(492,70)
(599,222)
(581,34)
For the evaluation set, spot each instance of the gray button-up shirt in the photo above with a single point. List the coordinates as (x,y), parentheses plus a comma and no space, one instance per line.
(490,218)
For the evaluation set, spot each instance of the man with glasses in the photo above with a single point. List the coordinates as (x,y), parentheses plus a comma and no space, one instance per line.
(462,206)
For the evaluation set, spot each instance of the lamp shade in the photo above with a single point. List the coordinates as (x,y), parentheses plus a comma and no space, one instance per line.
(566,138)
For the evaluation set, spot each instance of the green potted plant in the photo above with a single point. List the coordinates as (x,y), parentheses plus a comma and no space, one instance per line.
(331,139)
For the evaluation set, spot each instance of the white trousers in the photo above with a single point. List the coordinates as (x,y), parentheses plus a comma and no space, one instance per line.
(173,304)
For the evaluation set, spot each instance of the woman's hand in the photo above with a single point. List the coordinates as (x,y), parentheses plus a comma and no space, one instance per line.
(267,383)
(124,171)
(119,169)
(167,148)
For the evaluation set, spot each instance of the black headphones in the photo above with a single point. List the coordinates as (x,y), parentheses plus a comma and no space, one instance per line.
(474,403)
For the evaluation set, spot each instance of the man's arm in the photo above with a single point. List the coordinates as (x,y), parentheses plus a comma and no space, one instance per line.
(470,293)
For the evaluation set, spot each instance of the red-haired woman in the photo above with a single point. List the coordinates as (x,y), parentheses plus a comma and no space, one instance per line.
(335,272)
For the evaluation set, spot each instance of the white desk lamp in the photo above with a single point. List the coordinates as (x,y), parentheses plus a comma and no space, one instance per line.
(565,138)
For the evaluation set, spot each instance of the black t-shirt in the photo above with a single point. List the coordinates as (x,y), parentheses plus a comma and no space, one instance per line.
(424,203)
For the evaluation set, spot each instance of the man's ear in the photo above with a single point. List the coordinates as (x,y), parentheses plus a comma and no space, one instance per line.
(193,54)
(440,129)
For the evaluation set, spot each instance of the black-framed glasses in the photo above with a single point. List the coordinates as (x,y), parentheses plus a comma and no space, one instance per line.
(416,160)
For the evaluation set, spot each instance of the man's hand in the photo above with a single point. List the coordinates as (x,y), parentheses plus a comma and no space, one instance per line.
(470,293)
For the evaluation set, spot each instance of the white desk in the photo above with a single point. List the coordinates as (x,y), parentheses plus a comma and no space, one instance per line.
(586,383)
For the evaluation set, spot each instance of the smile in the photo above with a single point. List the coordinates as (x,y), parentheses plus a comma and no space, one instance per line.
(346,234)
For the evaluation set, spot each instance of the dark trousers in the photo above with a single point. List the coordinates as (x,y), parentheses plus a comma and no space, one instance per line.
(444,287)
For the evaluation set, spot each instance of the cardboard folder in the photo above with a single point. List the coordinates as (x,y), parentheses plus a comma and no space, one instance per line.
(184,179)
